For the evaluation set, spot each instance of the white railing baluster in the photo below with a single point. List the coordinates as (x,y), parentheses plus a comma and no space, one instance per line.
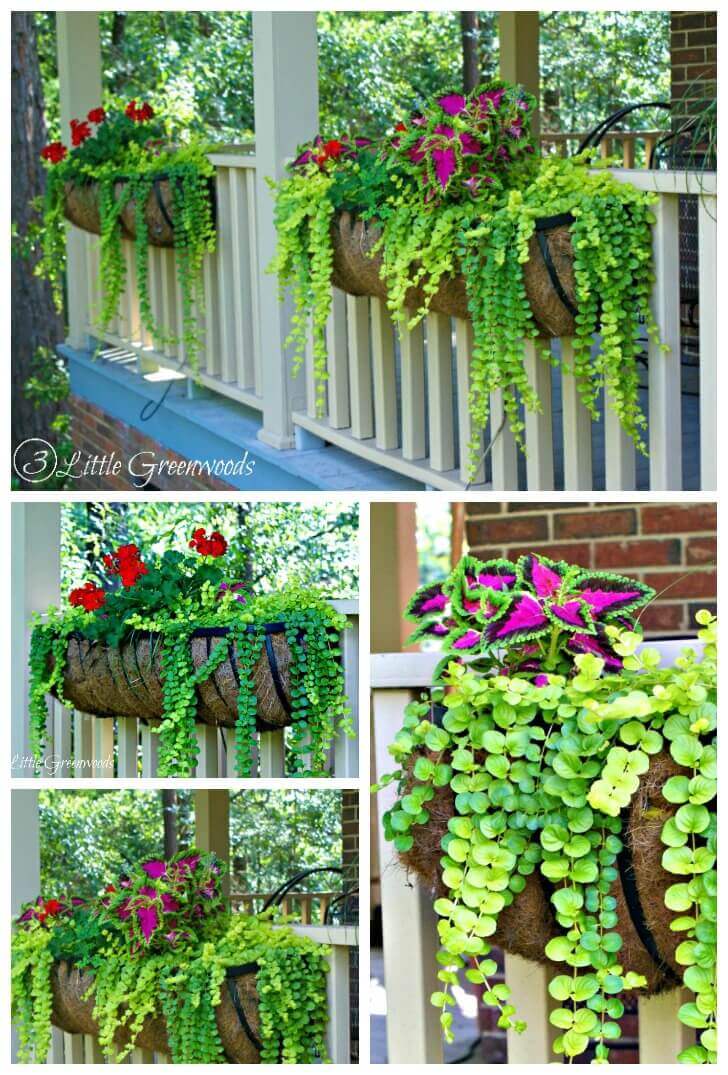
(310,375)
(156,297)
(529,982)
(242,284)
(338,1034)
(360,370)
(539,428)
(463,359)
(206,751)
(92,1050)
(662,1035)
(272,754)
(62,737)
(664,368)
(128,746)
(577,444)
(385,381)
(253,268)
(73,1049)
(169,303)
(620,464)
(225,283)
(412,350)
(439,392)
(83,745)
(707,275)
(210,357)
(150,751)
(338,362)
(503,448)
(103,737)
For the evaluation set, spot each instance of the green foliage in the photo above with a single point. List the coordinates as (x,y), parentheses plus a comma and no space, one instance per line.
(430,235)
(48,384)
(180,982)
(175,596)
(124,158)
(540,775)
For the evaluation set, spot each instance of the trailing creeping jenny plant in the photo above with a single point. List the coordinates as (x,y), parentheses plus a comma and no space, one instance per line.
(158,943)
(175,595)
(456,189)
(125,153)
(553,713)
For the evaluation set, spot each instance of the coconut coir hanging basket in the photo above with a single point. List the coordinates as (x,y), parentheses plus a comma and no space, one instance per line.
(127,680)
(236,1015)
(81,207)
(548,275)
(528,924)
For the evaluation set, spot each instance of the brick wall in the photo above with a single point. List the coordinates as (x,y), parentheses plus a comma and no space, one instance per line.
(96,434)
(350,863)
(671,547)
(693,59)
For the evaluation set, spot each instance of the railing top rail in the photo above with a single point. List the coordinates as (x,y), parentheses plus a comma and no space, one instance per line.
(554,136)
(339,935)
(392,671)
(669,181)
(232,157)
(348,606)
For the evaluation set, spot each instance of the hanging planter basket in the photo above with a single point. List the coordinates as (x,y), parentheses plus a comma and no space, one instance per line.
(236,1015)
(548,274)
(528,924)
(127,680)
(81,207)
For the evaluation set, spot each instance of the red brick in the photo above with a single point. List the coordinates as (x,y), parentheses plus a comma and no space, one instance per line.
(678,518)
(631,554)
(701,550)
(689,55)
(659,617)
(572,552)
(692,20)
(546,505)
(596,523)
(683,584)
(478,508)
(505,530)
(700,37)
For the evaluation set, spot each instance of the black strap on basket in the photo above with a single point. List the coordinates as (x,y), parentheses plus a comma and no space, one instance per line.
(625,864)
(231,974)
(544,225)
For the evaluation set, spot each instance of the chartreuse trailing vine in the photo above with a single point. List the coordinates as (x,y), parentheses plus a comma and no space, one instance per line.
(158,942)
(126,153)
(457,189)
(552,712)
(172,598)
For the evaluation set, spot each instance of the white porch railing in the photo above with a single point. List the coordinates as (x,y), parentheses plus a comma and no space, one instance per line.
(399,398)
(409,922)
(84,746)
(84,1049)
(630,145)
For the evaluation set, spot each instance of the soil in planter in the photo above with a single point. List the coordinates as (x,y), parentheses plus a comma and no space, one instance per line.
(74,1014)
(526,926)
(357,272)
(126,680)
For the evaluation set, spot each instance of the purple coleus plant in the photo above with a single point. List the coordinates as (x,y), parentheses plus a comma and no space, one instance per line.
(532,616)
(461,145)
(162,904)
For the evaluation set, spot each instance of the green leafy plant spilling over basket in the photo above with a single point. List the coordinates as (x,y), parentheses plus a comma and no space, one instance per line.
(174,640)
(556,791)
(454,212)
(122,179)
(157,961)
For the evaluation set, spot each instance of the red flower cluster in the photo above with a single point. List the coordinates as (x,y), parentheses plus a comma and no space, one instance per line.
(320,152)
(54,152)
(214,545)
(80,131)
(127,564)
(141,114)
(96,115)
(89,597)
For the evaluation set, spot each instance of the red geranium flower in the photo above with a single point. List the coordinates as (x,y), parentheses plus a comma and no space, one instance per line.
(214,545)
(96,115)
(139,115)
(54,152)
(80,131)
(89,597)
(127,564)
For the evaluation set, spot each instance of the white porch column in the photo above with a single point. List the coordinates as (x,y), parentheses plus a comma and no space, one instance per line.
(35,584)
(518,33)
(24,860)
(79,80)
(285,72)
(212,825)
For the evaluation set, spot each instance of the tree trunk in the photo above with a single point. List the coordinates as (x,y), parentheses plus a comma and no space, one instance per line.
(169,816)
(35,323)
(469,29)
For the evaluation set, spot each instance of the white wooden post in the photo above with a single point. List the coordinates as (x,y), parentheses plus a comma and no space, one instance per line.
(338,1036)
(79,82)
(35,584)
(285,76)
(409,922)
(24,856)
(212,825)
(707,265)
(518,48)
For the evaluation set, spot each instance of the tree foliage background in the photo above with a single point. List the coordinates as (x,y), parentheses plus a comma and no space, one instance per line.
(373,65)
(270,543)
(88,837)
